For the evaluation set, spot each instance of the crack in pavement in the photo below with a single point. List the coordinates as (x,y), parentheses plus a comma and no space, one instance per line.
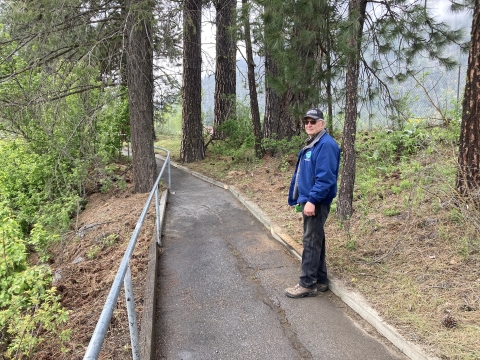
(250,275)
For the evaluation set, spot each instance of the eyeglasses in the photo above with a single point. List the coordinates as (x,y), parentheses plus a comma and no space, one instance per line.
(312,122)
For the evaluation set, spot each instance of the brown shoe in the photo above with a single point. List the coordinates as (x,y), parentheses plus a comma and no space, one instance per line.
(299,291)
(322,287)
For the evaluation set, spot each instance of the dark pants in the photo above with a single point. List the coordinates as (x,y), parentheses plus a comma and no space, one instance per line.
(314,267)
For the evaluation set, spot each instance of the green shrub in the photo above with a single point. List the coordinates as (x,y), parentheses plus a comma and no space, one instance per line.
(30,202)
(387,147)
(113,129)
(29,188)
(239,139)
(27,302)
(284,146)
(21,321)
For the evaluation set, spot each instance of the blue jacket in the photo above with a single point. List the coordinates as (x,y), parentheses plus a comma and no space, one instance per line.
(317,168)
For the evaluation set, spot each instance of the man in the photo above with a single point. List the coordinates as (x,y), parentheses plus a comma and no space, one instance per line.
(312,189)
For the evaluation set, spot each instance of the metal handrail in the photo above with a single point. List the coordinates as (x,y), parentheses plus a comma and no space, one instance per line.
(123,274)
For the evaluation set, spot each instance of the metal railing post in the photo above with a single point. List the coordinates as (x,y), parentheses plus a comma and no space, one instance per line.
(169,177)
(157,218)
(132,316)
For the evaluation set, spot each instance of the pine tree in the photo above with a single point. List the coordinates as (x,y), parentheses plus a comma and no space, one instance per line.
(468,176)
(271,120)
(274,126)
(192,146)
(225,72)
(399,32)
(298,48)
(356,11)
(140,92)
(254,110)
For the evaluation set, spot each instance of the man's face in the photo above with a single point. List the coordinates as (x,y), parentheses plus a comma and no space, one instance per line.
(313,127)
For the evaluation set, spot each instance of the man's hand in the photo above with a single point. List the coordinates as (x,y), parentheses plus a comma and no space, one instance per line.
(309,209)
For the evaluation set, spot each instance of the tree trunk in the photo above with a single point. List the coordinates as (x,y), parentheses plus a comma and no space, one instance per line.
(288,126)
(272,100)
(345,198)
(278,123)
(192,147)
(468,176)
(140,92)
(328,60)
(329,98)
(257,127)
(225,72)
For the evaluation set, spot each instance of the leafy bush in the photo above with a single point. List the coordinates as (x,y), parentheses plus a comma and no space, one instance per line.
(284,146)
(113,128)
(28,188)
(31,200)
(42,179)
(14,257)
(239,140)
(27,303)
(387,146)
(41,240)
(24,326)
(238,132)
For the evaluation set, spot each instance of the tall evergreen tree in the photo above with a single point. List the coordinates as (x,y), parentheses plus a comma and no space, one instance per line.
(252,86)
(225,71)
(271,123)
(398,33)
(140,92)
(330,73)
(192,146)
(468,177)
(295,44)
(356,10)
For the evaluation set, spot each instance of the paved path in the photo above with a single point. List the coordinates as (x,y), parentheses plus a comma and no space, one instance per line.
(221,284)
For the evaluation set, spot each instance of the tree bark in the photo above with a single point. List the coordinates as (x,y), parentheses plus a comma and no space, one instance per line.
(468,176)
(328,60)
(278,123)
(255,112)
(288,126)
(272,100)
(140,92)
(192,146)
(225,72)
(357,10)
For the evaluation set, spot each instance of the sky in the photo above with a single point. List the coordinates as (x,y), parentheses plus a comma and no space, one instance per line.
(208,41)
(443,13)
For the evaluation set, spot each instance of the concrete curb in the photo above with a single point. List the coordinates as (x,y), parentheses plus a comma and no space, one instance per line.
(147,329)
(354,300)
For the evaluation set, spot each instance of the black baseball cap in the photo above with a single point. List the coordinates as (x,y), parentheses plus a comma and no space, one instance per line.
(315,114)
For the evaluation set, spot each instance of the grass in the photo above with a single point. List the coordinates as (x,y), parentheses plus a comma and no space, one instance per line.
(171,143)
(411,246)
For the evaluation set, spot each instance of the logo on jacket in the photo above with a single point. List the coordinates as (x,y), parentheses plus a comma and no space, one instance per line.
(308,155)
